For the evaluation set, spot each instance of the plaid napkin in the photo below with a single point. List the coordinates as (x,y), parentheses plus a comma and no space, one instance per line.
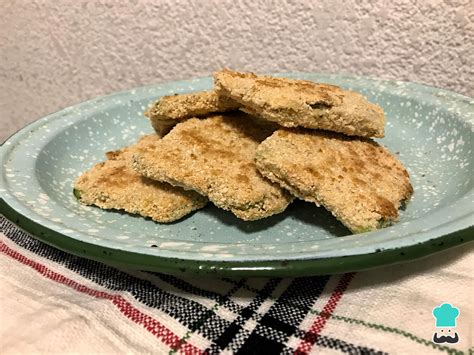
(54,302)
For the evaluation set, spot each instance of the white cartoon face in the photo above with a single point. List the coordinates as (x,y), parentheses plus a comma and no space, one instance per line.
(445,335)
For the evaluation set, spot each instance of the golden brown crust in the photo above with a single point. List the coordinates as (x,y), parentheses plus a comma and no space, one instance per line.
(359,181)
(169,110)
(113,184)
(301,103)
(215,157)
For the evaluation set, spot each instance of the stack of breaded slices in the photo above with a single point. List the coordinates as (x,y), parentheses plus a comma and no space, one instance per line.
(252,145)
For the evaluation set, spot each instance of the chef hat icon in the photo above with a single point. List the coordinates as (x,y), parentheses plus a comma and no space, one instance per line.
(445,315)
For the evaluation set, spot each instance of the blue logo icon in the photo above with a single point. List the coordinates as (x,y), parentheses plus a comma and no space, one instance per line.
(445,316)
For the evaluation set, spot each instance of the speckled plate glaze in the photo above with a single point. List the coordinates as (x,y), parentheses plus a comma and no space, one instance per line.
(430,129)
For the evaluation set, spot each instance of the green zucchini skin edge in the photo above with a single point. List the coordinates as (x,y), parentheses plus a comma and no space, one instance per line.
(77,193)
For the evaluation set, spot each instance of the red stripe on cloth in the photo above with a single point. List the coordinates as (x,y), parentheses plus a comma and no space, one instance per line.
(125,307)
(312,335)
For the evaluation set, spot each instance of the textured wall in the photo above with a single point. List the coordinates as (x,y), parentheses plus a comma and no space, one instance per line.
(57,53)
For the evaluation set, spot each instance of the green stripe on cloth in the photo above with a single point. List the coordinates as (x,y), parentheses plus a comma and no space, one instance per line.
(395,331)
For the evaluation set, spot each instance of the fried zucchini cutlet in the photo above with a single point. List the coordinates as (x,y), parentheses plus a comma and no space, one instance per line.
(169,110)
(356,179)
(215,157)
(113,184)
(301,103)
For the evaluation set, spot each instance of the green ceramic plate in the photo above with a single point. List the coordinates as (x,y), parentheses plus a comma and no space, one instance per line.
(431,131)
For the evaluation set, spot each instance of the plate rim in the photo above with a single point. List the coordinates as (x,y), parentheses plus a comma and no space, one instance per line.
(225,265)
(263,268)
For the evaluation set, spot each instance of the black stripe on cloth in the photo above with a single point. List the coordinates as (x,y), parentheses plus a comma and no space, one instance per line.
(236,330)
(212,327)
(259,344)
(338,344)
(285,315)
(222,299)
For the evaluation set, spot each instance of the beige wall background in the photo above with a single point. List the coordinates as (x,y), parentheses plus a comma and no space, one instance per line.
(57,53)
